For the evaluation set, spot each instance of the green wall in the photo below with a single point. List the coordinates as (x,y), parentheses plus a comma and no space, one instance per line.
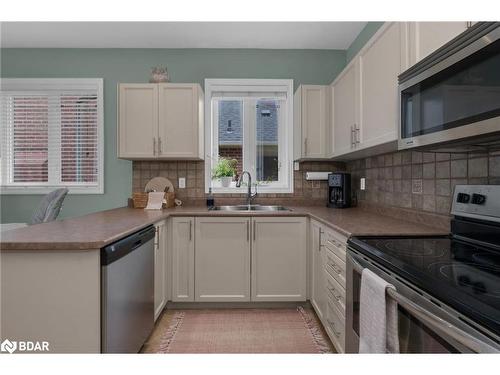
(133,65)
(363,37)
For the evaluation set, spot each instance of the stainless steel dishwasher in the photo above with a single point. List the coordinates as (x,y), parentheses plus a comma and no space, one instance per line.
(127,292)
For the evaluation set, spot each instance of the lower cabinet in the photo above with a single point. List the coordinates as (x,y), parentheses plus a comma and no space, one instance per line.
(318,291)
(222,259)
(328,275)
(182,259)
(160,283)
(279,257)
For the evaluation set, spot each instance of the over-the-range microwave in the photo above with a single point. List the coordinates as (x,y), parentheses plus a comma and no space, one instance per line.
(454,93)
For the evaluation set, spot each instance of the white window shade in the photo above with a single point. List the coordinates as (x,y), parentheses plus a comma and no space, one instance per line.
(52,135)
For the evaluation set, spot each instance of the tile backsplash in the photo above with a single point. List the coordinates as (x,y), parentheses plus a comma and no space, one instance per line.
(421,181)
(305,192)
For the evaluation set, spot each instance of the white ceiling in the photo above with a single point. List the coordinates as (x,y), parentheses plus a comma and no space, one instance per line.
(280,35)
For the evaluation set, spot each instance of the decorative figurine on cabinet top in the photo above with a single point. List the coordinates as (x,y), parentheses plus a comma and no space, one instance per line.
(159,74)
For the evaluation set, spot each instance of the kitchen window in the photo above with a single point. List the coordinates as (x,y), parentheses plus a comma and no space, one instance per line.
(250,121)
(52,135)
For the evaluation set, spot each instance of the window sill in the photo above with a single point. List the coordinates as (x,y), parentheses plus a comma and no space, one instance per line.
(261,189)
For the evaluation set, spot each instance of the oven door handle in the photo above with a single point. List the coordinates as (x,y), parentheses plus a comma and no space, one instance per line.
(433,321)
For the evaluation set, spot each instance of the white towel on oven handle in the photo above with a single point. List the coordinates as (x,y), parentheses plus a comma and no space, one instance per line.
(378,320)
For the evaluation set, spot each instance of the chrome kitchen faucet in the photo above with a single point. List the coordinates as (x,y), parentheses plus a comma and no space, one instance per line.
(250,196)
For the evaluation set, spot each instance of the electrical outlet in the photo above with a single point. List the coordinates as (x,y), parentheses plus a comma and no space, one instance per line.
(416,186)
(182,182)
(362,183)
(296,166)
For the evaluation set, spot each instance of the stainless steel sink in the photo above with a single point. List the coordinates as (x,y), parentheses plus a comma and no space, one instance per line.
(269,208)
(252,207)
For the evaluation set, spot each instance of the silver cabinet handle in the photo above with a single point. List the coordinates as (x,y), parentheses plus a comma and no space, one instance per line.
(154,146)
(332,264)
(254,230)
(356,134)
(190,230)
(248,230)
(353,143)
(320,233)
(159,145)
(335,243)
(333,290)
(332,326)
(434,321)
(305,146)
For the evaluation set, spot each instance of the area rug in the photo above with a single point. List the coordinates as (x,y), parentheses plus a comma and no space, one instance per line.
(244,331)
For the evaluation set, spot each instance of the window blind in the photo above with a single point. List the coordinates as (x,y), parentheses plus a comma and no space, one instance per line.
(51,135)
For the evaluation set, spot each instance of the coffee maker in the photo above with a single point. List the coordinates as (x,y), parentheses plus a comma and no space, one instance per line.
(339,190)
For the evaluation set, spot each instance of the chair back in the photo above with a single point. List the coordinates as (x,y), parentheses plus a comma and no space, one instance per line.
(49,207)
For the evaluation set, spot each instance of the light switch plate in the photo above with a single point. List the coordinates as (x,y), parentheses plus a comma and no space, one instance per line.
(182,182)
(362,183)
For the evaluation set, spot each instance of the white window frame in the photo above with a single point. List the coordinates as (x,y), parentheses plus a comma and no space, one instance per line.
(47,84)
(285,132)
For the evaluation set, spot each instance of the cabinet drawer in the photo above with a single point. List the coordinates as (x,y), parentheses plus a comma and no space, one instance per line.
(335,327)
(335,267)
(335,292)
(335,243)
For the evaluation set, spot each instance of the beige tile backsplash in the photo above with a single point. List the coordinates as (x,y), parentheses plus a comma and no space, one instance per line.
(421,181)
(305,192)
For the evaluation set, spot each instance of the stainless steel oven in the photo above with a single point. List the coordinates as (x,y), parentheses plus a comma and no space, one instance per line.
(454,93)
(425,325)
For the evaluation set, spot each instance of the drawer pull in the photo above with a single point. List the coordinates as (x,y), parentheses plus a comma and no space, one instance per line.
(337,297)
(335,268)
(332,326)
(335,243)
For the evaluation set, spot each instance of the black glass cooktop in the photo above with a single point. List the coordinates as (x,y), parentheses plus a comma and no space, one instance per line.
(460,274)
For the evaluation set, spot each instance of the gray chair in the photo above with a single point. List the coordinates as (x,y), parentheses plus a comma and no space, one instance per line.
(49,207)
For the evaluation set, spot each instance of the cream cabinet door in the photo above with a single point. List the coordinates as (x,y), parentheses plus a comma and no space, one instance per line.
(318,291)
(313,101)
(182,259)
(222,253)
(180,121)
(137,120)
(426,37)
(345,107)
(380,63)
(160,267)
(279,251)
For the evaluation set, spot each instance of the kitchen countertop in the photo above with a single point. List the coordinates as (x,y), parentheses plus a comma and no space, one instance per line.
(99,229)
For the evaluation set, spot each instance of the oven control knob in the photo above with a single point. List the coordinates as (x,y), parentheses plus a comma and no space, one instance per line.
(463,198)
(478,199)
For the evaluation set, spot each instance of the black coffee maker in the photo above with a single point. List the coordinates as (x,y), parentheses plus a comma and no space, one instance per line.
(339,190)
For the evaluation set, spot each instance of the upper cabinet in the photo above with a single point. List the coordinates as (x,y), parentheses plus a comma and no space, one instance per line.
(365,99)
(426,37)
(160,121)
(380,63)
(365,104)
(138,120)
(345,110)
(311,122)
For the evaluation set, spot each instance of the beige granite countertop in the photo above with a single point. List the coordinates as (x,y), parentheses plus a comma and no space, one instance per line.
(99,229)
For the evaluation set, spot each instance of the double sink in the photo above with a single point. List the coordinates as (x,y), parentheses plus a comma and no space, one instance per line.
(250,207)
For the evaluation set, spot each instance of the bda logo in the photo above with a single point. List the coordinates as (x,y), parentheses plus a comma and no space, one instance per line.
(8,346)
